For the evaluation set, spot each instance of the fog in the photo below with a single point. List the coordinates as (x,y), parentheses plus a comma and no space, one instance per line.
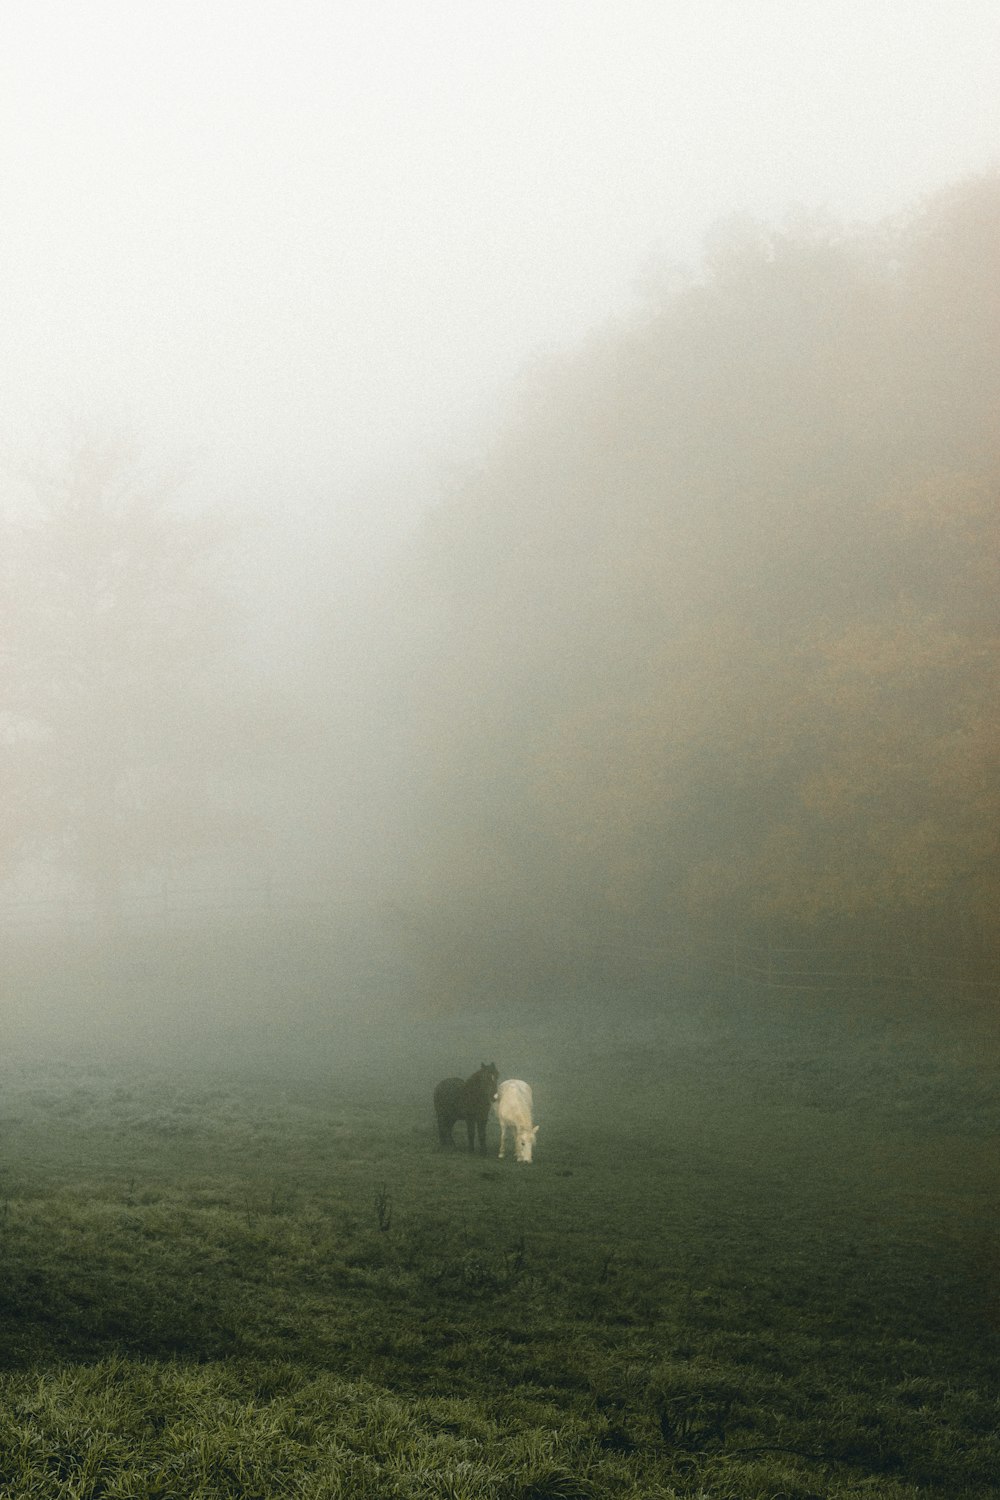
(307,248)
(498,506)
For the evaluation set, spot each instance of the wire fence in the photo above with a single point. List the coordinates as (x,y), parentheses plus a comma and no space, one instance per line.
(170,908)
(829,968)
(940,958)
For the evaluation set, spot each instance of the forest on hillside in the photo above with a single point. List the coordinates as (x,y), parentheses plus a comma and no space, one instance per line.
(703,646)
(709,637)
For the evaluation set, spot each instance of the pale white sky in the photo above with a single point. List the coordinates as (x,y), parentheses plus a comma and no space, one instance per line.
(309,243)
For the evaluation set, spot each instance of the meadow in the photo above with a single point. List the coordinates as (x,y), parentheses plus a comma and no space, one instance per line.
(751,1259)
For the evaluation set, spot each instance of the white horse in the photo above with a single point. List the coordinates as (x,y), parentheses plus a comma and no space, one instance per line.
(513,1102)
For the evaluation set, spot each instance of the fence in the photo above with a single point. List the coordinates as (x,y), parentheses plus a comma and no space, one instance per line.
(765,964)
(170,908)
(754,962)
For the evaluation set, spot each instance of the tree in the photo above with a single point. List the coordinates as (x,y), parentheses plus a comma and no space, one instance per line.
(119,723)
(714,628)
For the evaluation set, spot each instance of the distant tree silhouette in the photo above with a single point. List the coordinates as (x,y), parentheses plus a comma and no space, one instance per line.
(119,719)
(711,636)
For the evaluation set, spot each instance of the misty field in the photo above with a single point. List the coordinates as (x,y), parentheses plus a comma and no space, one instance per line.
(747,1261)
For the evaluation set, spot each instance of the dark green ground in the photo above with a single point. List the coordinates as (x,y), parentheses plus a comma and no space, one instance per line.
(745,1263)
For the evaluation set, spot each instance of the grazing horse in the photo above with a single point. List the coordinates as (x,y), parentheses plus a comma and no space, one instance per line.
(514,1113)
(469,1101)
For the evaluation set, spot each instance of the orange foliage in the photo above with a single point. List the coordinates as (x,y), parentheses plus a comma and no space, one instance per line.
(718,632)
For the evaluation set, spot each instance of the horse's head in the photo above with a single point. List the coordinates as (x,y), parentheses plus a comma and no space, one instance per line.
(489,1079)
(524,1142)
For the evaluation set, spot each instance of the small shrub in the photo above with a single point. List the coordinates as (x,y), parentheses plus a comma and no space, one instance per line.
(383,1208)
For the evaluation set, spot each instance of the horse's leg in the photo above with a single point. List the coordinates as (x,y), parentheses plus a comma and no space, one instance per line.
(470,1124)
(503,1137)
(481,1122)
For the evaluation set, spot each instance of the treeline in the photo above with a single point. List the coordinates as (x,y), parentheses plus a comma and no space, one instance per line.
(705,646)
(709,638)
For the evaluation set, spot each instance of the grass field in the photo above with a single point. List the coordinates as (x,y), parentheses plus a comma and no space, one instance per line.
(746,1262)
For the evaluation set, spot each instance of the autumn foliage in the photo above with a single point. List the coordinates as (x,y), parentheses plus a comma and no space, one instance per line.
(712,632)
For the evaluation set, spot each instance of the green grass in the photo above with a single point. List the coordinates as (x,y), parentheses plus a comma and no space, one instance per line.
(745,1273)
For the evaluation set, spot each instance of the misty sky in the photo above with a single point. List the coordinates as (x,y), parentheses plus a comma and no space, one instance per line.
(308,245)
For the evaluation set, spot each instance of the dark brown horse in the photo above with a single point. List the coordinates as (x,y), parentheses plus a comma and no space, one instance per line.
(469,1101)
